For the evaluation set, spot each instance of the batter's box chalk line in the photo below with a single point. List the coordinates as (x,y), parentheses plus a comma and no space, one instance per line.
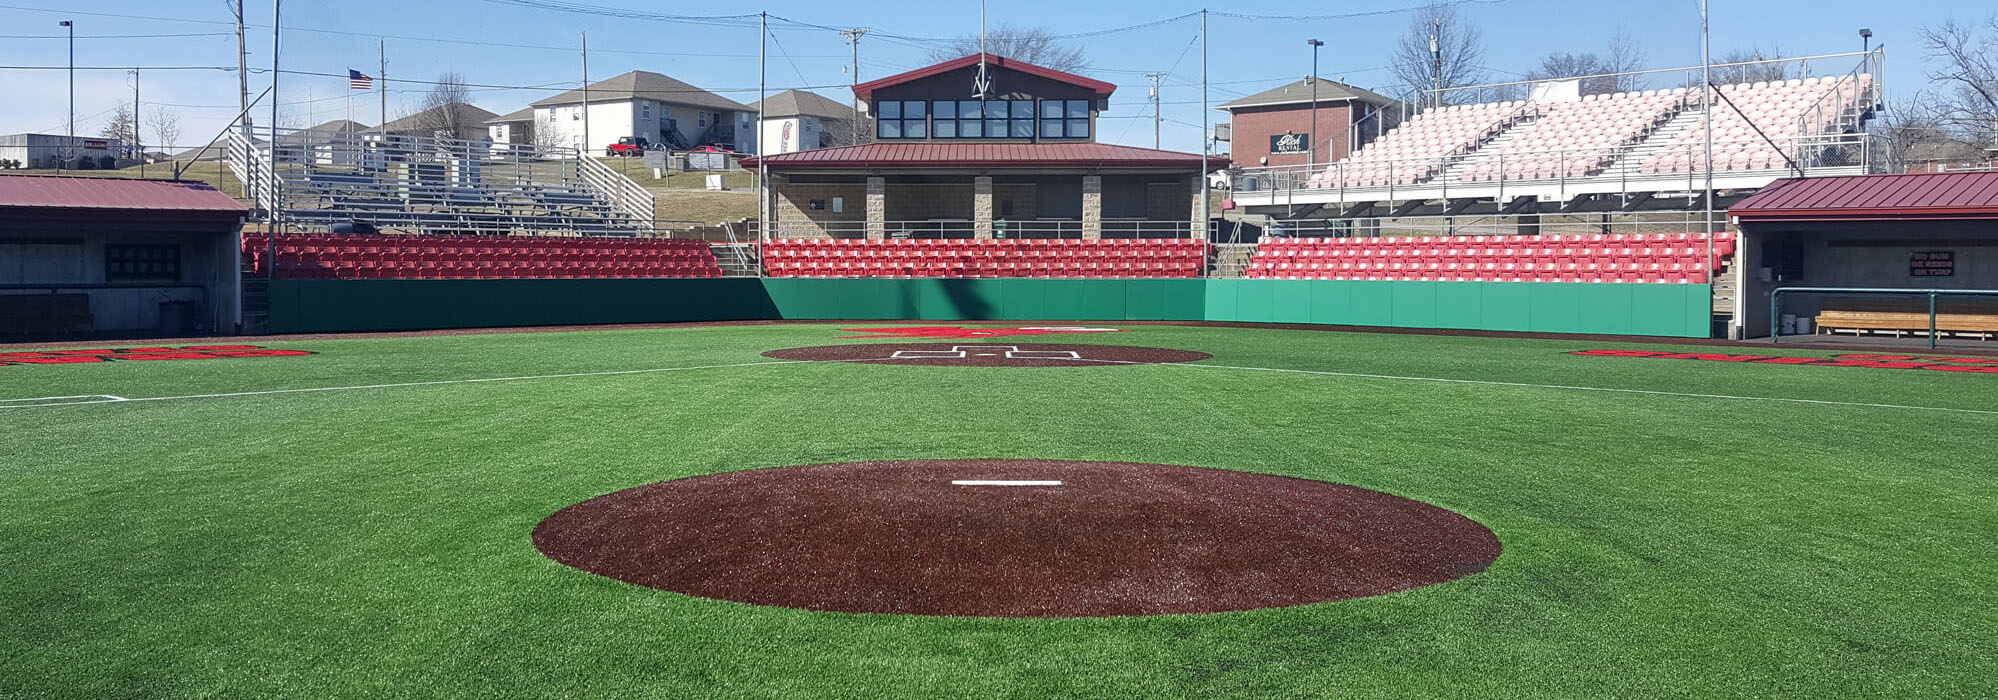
(959,352)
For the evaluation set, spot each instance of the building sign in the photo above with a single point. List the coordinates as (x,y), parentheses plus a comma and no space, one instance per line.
(1289,144)
(96,145)
(1935,263)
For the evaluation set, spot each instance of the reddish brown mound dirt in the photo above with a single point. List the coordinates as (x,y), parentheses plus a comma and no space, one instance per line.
(1115,538)
(988,353)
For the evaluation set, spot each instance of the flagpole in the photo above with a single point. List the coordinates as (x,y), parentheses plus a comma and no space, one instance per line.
(381,51)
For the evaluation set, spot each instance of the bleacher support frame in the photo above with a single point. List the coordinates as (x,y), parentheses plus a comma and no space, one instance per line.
(413,184)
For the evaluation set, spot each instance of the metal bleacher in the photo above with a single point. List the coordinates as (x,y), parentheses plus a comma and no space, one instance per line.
(409,184)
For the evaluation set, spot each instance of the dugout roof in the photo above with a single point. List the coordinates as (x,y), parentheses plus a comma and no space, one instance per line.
(43,196)
(1910,197)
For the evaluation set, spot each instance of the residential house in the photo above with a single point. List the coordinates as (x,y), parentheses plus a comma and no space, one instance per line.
(456,121)
(650,106)
(796,120)
(1275,126)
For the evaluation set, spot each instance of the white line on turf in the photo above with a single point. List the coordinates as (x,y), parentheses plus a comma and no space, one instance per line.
(60,400)
(9,403)
(1004,482)
(397,385)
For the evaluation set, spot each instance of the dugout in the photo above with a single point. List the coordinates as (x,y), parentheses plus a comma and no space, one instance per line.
(95,257)
(1913,231)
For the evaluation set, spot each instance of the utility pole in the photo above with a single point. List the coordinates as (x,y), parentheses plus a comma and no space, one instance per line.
(1155,106)
(1436,63)
(137,150)
(1311,132)
(270,176)
(69,140)
(242,71)
(853,78)
(585,152)
(1707,125)
(763,208)
(1206,142)
(381,52)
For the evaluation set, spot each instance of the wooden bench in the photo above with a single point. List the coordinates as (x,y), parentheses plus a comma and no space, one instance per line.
(1910,316)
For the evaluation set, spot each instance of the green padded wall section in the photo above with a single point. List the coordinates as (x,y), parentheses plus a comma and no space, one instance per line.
(1678,310)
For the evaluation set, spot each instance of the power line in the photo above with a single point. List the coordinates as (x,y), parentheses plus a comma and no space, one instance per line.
(118,36)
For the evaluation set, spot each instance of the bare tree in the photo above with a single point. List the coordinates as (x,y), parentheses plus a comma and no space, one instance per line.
(1605,73)
(1964,67)
(1439,51)
(1750,65)
(122,125)
(165,125)
(545,137)
(1031,44)
(445,110)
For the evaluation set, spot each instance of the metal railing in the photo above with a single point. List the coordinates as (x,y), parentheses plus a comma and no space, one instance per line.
(1493,225)
(433,185)
(1776,297)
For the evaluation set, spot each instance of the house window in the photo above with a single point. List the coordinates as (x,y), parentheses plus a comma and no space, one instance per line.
(645,111)
(124,263)
(898,119)
(702,119)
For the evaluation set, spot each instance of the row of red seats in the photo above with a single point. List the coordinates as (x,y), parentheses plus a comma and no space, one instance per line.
(984,268)
(1156,257)
(1580,271)
(1680,258)
(473,257)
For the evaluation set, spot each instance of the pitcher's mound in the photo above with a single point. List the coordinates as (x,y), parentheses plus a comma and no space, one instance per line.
(1015,538)
(989,354)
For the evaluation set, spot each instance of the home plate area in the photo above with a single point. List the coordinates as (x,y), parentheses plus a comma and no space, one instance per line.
(988,355)
(1015,538)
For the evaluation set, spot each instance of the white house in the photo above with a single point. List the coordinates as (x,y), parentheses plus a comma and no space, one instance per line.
(645,105)
(46,150)
(516,127)
(795,120)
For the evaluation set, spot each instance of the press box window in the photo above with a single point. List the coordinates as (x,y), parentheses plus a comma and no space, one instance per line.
(124,263)
(902,119)
(1065,119)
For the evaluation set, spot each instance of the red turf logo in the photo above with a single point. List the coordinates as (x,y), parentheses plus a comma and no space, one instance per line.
(191,352)
(962,332)
(1974,365)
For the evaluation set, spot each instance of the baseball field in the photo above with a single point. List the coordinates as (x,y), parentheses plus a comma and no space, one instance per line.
(760,511)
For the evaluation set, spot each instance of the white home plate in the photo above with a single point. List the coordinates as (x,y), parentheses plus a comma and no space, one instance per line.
(1003,482)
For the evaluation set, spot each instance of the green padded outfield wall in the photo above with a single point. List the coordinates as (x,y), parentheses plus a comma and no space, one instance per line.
(1677,310)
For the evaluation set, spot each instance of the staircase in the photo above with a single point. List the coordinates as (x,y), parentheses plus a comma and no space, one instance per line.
(1490,149)
(1726,284)
(256,302)
(1230,259)
(737,259)
(1631,162)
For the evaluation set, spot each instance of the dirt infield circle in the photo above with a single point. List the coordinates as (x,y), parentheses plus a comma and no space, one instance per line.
(1113,538)
(973,353)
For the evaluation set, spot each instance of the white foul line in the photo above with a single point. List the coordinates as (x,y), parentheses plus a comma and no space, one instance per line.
(397,385)
(1003,482)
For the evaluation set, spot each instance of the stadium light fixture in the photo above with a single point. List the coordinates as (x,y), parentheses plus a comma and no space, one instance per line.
(1865,40)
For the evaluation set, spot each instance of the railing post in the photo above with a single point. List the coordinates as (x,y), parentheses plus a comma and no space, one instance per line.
(1932,319)
(1774,307)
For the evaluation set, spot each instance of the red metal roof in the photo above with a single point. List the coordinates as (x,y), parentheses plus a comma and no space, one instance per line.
(1101,88)
(943,154)
(105,193)
(1928,196)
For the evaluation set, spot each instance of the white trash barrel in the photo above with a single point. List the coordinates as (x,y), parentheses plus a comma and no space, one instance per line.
(1804,325)
(1789,324)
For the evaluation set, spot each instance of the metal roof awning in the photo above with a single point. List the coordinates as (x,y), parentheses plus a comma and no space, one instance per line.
(30,196)
(988,155)
(1966,196)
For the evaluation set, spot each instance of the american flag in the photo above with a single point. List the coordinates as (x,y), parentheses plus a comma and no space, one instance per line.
(359,81)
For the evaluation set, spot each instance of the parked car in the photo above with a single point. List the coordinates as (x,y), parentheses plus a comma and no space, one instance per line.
(627,147)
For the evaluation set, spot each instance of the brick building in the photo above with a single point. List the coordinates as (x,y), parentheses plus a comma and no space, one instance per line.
(1273,127)
(1020,162)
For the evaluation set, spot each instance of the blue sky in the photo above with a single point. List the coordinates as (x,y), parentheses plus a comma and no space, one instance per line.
(1245,55)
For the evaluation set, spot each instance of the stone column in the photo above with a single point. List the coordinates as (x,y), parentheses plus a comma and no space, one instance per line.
(877,208)
(1092,207)
(981,206)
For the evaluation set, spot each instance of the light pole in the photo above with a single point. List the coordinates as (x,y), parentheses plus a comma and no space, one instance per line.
(1865,40)
(69,139)
(1311,132)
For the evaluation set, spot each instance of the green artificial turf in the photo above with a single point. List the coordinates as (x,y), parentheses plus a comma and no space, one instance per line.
(375,542)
